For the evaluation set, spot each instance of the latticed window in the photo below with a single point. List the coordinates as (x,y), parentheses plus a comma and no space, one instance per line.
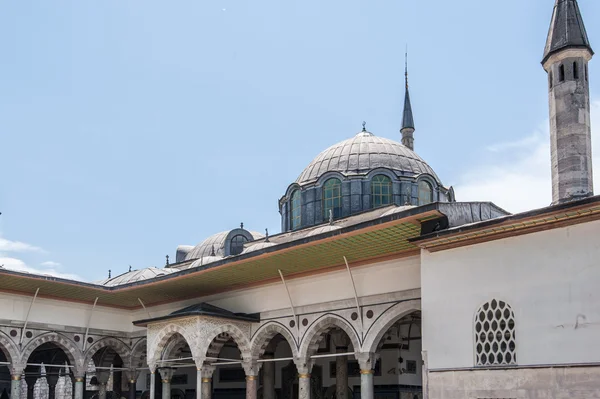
(381,191)
(296,214)
(332,198)
(425,193)
(237,244)
(495,334)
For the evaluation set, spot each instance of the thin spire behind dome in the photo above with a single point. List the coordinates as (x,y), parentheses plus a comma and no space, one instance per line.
(408,122)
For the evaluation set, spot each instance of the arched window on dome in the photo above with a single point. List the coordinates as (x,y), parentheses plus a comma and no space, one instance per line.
(237,244)
(381,191)
(296,210)
(332,198)
(425,193)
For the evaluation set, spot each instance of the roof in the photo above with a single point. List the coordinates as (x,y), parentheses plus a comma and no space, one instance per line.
(135,275)
(364,238)
(363,153)
(201,309)
(566,29)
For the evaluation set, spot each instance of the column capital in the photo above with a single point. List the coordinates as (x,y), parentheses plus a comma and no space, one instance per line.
(102,376)
(166,373)
(366,360)
(251,368)
(132,375)
(340,339)
(304,366)
(207,371)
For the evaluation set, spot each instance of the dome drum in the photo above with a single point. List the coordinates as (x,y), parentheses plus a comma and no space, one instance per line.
(358,194)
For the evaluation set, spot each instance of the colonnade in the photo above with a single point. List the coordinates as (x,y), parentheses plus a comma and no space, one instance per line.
(205,373)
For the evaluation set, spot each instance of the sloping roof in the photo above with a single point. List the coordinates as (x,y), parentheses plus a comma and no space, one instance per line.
(566,29)
(361,154)
(201,309)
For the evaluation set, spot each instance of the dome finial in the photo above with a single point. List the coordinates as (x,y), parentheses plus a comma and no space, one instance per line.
(266,235)
(167,264)
(212,250)
(408,123)
(364,125)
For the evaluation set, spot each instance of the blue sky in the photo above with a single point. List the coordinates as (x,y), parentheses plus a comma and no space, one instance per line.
(128,128)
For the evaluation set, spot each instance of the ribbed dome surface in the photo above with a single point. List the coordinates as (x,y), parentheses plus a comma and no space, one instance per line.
(135,275)
(215,242)
(361,154)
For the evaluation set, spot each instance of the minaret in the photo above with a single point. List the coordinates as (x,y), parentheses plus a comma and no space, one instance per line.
(566,58)
(408,123)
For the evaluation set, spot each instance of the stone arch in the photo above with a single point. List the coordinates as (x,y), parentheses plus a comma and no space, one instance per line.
(232,332)
(8,347)
(316,331)
(71,350)
(113,343)
(162,338)
(265,334)
(386,320)
(139,353)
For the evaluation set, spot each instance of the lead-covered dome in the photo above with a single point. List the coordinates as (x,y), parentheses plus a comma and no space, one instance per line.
(363,153)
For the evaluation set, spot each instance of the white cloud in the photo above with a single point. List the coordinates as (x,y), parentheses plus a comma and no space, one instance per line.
(519,179)
(20,266)
(17,246)
(50,264)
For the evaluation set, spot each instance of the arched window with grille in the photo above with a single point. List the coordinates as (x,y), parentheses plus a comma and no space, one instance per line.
(296,210)
(237,244)
(381,191)
(425,193)
(495,341)
(332,198)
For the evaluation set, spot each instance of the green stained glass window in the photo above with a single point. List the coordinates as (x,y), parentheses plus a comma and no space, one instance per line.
(296,214)
(237,244)
(381,191)
(425,193)
(332,198)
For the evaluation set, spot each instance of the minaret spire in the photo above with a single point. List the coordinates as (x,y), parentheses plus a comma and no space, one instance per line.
(566,57)
(408,123)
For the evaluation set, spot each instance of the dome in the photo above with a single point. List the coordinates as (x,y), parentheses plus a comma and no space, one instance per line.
(258,246)
(363,153)
(135,275)
(219,244)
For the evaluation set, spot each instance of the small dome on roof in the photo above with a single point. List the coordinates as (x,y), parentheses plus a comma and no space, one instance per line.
(219,244)
(136,275)
(204,261)
(322,229)
(361,154)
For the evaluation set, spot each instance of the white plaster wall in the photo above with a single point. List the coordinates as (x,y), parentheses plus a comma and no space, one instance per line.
(380,278)
(58,314)
(551,279)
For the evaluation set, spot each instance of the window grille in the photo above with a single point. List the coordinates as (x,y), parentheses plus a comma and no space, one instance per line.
(495,342)
(332,198)
(237,244)
(381,191)
(296,213)
(425,193)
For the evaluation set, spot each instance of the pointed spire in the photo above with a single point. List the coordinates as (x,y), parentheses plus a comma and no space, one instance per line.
(566,29)
(408,123)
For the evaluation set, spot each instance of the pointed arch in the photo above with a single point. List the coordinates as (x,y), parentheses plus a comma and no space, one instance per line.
(266,333)
(71,350)
(315,333)
(115,344)
(139,353)
(9,348)
(162,338)
(217,337)
(385,321)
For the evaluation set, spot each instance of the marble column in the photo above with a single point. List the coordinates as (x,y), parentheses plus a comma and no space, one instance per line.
(251,369)
(304,369)
(166,374)
(367,364)
(152,384)
(341,341)
(132,388)
(31,380)
(206,388)
(132,376)
(102,377)
(79,386)
(199,383)
(268,376)
(15,386)
(52,378)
